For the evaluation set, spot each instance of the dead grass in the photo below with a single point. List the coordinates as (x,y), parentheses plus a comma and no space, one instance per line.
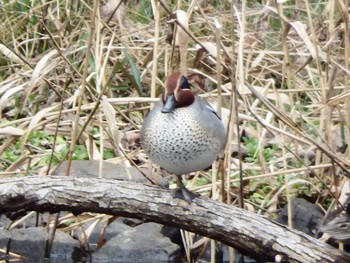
(69,79)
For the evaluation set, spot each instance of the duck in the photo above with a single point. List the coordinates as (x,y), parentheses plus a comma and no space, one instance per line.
(339,227)
(182,133)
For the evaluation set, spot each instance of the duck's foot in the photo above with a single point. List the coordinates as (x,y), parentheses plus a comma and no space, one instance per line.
(184,194)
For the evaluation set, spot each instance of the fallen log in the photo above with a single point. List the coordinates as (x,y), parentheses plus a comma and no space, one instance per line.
(250,233)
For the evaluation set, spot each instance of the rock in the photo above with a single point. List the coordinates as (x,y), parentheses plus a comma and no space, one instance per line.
(144,243)
(4,222)
(30,244)
(173,233)
(109,171)
(306,216)
(221,254)
(32,219)
(115,228)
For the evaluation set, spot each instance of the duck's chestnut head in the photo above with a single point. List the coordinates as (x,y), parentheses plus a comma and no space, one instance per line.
(177,93)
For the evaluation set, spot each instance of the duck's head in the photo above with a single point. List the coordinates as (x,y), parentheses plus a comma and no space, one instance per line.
(177,93)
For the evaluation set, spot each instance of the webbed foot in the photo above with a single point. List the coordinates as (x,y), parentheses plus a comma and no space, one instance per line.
(184,194)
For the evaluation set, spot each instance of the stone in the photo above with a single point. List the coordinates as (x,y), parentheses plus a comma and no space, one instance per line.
(143,243)
(306,216)
(110,171)
(30,244)
(113,229)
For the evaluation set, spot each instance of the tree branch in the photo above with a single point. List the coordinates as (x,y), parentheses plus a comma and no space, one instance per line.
(246,231)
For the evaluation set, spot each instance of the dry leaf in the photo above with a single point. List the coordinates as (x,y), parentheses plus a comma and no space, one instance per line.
(181,38)
(110,114)
(35,120)
(11,131)
(8,53)
(44,66)
(300,29)
(7,95)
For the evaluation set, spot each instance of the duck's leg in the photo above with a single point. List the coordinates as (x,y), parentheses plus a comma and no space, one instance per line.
(183,193)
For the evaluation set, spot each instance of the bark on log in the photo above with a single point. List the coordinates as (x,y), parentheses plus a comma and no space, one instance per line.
(246,231)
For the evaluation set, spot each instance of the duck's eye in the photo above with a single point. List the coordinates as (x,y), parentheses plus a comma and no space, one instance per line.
(184,83)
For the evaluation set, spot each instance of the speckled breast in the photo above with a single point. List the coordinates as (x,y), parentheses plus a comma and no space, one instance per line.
(185,140)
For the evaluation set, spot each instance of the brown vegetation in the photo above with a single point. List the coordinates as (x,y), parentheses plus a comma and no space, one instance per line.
(75,84)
